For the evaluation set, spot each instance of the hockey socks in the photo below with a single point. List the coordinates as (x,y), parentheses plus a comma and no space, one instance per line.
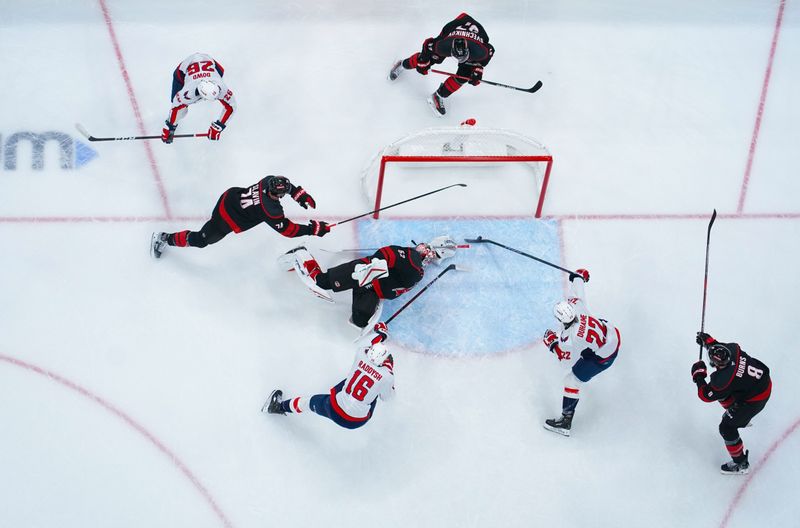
(295,405)
(180,239)
(568,406)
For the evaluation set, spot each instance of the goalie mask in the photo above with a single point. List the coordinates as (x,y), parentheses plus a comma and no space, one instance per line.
(565,312)
(438,249)
(278,186)
(719,356)
(460,50)
(208,90)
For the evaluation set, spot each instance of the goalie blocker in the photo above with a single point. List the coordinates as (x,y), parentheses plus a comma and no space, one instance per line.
(387,274)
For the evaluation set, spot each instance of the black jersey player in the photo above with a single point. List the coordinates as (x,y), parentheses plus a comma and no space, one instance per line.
(463,39)
(741,384)
(240,209)
(386,274)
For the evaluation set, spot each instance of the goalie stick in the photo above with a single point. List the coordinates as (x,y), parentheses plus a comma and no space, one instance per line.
(481,240)
(88,136)
(532,89)
(705,279)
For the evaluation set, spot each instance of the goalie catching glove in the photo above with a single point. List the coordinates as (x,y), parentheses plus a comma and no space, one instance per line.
(366,273)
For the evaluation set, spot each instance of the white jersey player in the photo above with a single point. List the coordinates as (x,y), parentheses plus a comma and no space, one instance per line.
(590,342)
(352,401)
(198,78)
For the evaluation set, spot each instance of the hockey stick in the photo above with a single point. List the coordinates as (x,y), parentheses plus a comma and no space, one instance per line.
(532,89)
(396,204)
(88,136)
(705,279)
(367,250)
(481,240)
(414,298)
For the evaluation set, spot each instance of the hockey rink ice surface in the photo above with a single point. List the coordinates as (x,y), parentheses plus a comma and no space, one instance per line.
(131,389)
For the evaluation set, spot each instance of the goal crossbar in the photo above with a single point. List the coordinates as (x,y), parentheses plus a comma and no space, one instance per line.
(465,159)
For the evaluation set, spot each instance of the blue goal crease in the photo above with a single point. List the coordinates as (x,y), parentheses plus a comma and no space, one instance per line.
(502,303)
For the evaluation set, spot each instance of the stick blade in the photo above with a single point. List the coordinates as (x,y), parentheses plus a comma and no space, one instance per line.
(83,131)
(478,240)
(535,88)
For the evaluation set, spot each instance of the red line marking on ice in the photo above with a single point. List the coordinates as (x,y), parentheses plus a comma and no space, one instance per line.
(89,219)
(760,114)
(134,103)
(131,422)
(560,218)
(737,499)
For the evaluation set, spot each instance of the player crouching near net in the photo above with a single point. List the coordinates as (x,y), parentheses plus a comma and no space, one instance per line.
(351,403)
(592,341)
(387,274)
(465,40)
(240,209)
(742,385)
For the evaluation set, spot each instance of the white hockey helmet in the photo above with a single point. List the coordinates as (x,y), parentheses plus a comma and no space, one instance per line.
(377,353)
(564,312)
(208,90)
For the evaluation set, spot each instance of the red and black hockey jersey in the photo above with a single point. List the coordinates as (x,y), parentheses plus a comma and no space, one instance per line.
(465,27)
(405,270)
(244,208)
(745,379)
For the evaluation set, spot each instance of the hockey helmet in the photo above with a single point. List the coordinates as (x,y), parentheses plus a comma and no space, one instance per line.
(377,353)
(278,186)
(719,355)
(565,312)
(208,90)
(460,50)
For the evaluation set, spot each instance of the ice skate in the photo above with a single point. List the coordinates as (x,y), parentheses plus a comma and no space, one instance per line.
(437,104)
(736,468)
(561,425)
(157,244)
(396,70)
(273,404)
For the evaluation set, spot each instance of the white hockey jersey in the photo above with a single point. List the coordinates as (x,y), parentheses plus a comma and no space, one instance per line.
(363,385)
(596,334)
(193,69)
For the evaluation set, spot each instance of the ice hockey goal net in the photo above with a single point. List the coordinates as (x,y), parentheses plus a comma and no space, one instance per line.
(430,150)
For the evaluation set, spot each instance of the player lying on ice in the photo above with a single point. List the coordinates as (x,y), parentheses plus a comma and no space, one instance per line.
(387,274)
(352,401)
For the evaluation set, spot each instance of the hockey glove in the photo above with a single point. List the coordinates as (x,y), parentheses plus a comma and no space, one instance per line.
(382,331)
(303,198)
(476,75)
(215,130)
(319,228)
(550,340)
(168,132)
(704,339)
(580,274)
(699,372)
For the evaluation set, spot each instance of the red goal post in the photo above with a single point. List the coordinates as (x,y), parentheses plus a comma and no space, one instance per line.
(459,145)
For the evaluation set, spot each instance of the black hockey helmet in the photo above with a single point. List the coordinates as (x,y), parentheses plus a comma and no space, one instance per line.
(460,50)
(278,186)
(719,355)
